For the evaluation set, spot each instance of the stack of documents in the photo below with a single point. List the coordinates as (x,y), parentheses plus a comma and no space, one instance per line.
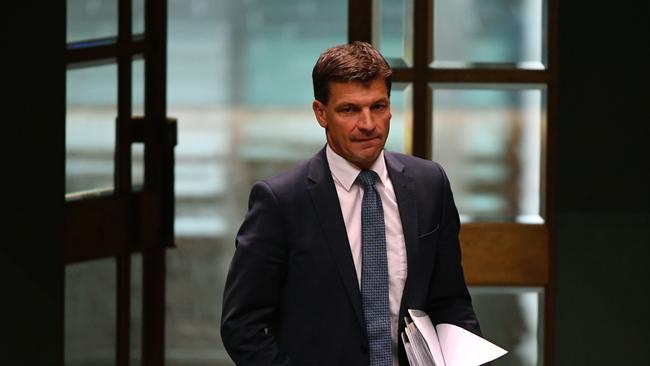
(445,344)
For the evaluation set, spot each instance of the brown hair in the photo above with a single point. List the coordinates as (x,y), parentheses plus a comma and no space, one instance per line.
(357,61)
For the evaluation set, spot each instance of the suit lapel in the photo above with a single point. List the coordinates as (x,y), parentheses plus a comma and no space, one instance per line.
(326,204)
(406,201)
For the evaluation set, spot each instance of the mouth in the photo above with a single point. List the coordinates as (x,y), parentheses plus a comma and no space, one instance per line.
(366,139)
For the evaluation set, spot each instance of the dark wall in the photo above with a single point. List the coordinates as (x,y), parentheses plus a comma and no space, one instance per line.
(33,115)
(603,185)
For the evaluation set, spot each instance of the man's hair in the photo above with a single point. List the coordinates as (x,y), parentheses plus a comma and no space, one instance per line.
(357,61)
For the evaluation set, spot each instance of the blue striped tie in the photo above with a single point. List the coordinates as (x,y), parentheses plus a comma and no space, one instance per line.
(374,272)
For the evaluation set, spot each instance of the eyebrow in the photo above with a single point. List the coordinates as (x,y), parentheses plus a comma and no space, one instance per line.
(347,103)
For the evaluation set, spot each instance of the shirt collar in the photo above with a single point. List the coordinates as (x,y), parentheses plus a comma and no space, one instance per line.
(345,173)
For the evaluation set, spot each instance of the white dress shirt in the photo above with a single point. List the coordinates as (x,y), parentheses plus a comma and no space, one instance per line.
(350,196)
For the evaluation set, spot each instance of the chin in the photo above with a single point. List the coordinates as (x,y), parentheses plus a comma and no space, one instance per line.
(366,160)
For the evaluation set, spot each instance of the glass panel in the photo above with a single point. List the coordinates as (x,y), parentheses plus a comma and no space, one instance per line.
(90,313)
(498,33)
(137,88)
(240,82)
(137,165)
(489,140)
(138,17)
(512,318)
(91,19)
(401,124)
(137,149)
(396,32)
(90,128)
(136,310)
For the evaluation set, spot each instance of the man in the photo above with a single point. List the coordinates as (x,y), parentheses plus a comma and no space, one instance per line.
(333,253)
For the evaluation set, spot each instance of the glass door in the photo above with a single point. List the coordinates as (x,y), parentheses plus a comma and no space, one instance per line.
(119,204)
(482,81)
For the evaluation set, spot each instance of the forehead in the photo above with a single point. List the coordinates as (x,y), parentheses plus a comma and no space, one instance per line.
(341,91)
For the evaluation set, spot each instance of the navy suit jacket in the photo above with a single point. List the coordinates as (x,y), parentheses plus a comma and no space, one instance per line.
(292,296)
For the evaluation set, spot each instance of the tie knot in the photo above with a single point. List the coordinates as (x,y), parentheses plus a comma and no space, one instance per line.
(367,178)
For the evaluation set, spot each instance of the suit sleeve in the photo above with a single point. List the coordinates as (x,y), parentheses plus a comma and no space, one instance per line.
(448,300)
(254,284)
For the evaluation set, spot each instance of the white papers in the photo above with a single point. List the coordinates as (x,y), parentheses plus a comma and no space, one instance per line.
(409,351)
(419,349)
(445,344)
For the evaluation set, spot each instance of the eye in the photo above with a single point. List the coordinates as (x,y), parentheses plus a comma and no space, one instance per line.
(379,106)
(347,109)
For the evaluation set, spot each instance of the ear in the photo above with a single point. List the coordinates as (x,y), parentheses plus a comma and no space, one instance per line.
(319,112)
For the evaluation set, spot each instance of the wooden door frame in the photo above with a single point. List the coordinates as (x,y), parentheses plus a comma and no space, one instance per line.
(124,220)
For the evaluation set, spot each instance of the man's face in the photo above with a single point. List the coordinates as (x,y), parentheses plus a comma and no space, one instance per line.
(356,120)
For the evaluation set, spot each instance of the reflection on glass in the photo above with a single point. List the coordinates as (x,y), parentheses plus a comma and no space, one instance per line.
(90,313)
(138,17)
(396,31)
(137,149)
(136,310)
(512,317)
(90,128)
(498,33)
(240,84)
(401,125)
(489,140)
(137,165)
(137,87)
(91,19)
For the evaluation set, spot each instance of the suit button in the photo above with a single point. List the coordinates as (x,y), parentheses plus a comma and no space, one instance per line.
(364,348)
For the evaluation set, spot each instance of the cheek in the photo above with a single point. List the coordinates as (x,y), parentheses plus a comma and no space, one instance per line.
(386,123)
(339,134)
(344,129)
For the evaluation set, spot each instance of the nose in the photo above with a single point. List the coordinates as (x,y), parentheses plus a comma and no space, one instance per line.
(366,121)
